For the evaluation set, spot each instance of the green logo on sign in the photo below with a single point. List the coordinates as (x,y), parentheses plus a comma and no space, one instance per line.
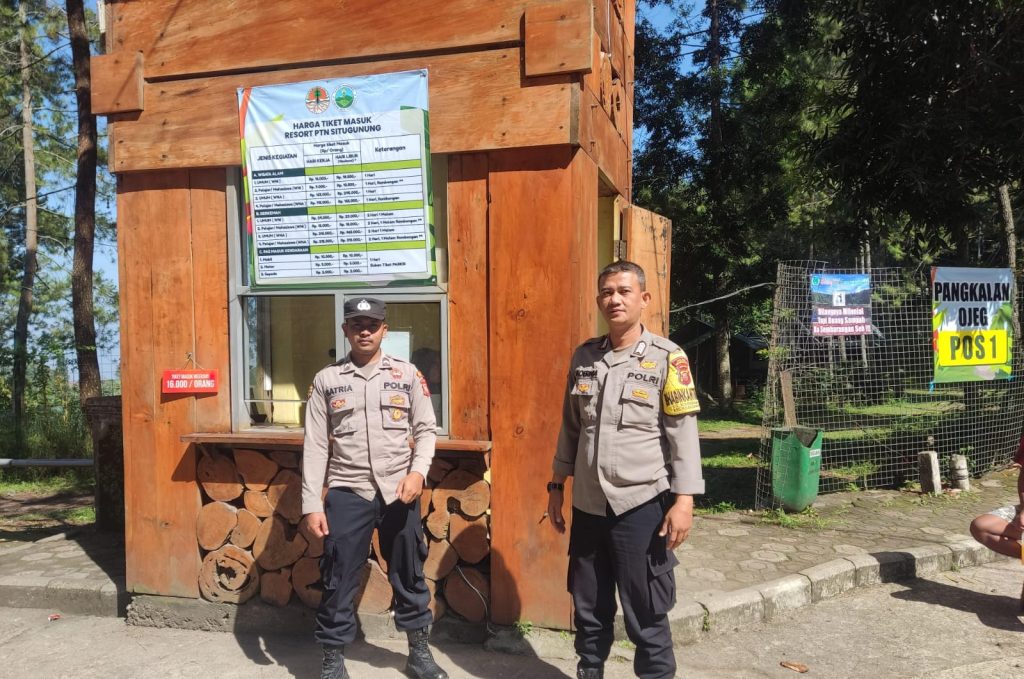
(344,96)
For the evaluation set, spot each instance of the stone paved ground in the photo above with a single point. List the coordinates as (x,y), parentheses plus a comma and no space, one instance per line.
(733,550)
(84,572)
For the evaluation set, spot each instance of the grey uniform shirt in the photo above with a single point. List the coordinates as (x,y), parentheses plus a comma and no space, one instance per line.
(629,425)
(358,427)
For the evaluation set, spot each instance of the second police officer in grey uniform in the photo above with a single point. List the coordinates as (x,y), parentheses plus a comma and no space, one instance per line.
(359,415)
(629,440)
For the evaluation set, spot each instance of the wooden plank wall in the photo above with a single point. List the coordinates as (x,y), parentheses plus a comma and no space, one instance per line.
(172,260)
(605,113)
(537,274)
(189,37)
(649,244)
(467,297)
(170,133)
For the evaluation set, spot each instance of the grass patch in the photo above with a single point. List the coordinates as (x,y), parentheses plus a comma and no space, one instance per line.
(730,460)
(717,508)
(706,425)
(730,475)
(859,470)
(858,434)
(808,518)
(523,628)
(905,408)
(72,516)
(66,482)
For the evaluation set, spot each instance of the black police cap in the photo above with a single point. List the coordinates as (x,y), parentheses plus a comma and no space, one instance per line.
(370,307)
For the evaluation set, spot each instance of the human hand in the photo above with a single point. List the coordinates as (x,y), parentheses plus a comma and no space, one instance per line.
(410,487)
(678,521)
(554,513)
(315,524)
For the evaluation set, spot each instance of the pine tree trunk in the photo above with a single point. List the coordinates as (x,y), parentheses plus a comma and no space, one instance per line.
(31,235)
(723,337)
(85,210)
(1011,247)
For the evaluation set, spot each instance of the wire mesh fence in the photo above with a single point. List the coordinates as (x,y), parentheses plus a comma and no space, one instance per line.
(873,396)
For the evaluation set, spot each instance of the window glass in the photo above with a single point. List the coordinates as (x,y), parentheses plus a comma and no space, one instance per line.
(414,333)
(288,340)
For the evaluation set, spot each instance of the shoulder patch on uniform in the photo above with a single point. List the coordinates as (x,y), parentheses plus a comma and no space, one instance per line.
(679,397)
(664,343)
(423,383)
(309,394)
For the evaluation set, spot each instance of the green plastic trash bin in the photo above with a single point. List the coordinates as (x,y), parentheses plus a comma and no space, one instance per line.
(796,466)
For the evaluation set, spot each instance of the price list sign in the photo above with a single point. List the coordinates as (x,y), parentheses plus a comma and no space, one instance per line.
(337,182)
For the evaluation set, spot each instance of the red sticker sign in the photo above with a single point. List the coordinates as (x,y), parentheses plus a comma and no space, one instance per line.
(189,382)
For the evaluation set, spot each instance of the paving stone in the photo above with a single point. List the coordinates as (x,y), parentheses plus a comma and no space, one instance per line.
(968,552)
(785,594)
(732,610)
(830,578)
(849,549)
(812,548)
(930,530)
(733,532)
(758,566)
(872,569)
(779,547)
(771,557)
(707,574)
(687,619)
(930,559)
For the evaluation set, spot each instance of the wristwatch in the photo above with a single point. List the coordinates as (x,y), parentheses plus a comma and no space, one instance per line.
(555,486)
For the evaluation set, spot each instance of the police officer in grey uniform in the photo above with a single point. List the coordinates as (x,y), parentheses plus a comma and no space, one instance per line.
(359,416)
(629,440)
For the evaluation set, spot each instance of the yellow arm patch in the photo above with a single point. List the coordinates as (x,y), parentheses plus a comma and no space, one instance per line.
(679,397)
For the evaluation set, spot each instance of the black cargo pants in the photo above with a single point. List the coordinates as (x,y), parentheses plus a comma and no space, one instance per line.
(350,521)
(624,552)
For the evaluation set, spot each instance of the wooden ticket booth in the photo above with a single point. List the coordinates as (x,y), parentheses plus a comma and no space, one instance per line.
(530,117)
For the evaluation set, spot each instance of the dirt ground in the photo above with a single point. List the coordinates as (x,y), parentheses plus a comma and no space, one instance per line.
(30,516)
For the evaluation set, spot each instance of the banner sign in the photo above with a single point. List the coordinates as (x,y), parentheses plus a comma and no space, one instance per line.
(337,182)
(189,382)
(841,304)
(972,323)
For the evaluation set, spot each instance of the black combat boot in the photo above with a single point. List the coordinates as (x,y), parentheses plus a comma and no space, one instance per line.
(421,663)
(589,672)
(334,663)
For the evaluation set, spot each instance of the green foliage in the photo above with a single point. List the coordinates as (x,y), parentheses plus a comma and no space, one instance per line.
(808,518)
(716,508)
(54,140)
(523,628)
(46,482)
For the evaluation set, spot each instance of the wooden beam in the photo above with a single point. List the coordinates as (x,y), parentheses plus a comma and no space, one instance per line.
(531,230)
(209,243)
(467,296)
(194,123)
(161,497)
(289,440)
(184,38)
(117,83)
(602,142)
(649,243)
(557,38)
(603,14)
(618,40)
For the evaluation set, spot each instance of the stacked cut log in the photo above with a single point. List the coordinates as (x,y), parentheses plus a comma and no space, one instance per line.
(251,544)
(458,538)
